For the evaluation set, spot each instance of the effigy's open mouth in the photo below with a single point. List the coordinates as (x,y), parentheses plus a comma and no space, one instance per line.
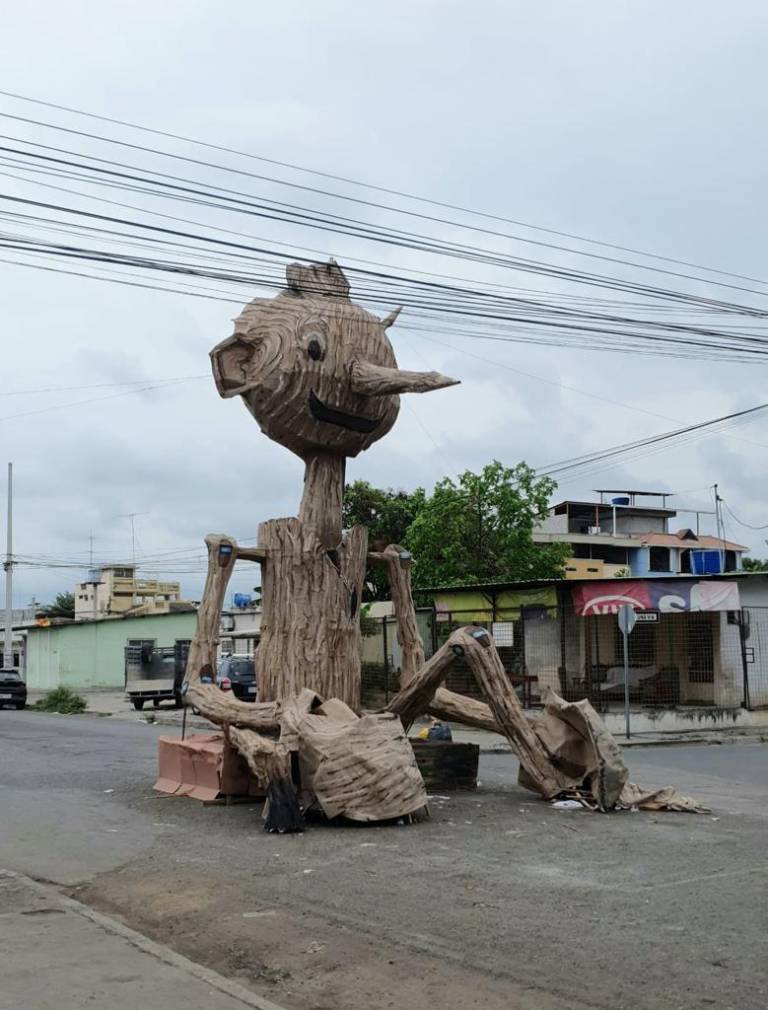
(321,412)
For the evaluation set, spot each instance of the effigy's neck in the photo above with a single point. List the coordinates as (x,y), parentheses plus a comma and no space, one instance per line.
(323,495)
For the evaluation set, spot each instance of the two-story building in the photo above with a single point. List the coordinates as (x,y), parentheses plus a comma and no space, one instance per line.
(625,536)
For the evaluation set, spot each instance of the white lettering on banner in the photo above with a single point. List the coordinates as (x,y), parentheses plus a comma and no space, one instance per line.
(610,604)
(672,604)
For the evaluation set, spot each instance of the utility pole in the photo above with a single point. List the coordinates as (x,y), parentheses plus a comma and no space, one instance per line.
(8,636)
(719,524)
(92,577)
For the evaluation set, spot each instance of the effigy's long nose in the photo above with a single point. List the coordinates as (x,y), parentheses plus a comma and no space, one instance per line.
(376,380)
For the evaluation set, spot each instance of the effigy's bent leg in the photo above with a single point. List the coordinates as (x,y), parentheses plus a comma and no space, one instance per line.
(479,650)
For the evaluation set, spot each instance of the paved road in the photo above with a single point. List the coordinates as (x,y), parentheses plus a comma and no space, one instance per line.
(498,901)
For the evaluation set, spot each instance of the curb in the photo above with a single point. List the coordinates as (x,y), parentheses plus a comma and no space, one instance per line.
(157,950)
(693,741)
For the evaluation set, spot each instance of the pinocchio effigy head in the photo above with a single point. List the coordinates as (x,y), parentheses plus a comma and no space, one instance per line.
(316,371)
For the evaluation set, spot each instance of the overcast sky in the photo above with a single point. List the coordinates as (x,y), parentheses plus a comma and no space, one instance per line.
(637,124)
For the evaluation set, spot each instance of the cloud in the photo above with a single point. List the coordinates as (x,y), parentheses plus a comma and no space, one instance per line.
(597,120)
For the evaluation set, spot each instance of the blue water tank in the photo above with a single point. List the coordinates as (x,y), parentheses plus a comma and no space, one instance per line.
(241,600)
(621,500)
(706,563)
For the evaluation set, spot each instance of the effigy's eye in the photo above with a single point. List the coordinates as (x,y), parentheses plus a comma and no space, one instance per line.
(315,350)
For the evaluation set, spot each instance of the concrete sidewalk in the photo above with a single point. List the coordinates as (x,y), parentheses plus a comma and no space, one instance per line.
(60,954)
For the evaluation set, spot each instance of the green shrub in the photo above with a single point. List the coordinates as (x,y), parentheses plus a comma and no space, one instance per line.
(61,700)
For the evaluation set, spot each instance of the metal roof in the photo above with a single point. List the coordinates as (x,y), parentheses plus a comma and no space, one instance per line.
(539,583)
(642,509)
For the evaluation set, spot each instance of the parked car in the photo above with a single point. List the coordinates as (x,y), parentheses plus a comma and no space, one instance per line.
(13,690)
(237,674)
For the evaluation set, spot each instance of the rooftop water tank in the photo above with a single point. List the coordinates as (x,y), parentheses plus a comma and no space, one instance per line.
(241,600)
(621,500)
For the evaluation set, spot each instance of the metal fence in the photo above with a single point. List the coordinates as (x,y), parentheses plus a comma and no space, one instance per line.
(694,659)
(754,628)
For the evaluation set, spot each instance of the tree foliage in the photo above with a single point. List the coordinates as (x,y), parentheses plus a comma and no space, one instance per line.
(754,564)
(387,513)
(62,606)
(479,529)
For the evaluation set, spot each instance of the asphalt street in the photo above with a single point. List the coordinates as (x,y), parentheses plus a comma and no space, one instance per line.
(517,903)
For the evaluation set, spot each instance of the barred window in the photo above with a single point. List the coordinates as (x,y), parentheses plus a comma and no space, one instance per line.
(701,649)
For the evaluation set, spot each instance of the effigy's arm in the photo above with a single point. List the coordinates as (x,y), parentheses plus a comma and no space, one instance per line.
(223,552)
(398,562)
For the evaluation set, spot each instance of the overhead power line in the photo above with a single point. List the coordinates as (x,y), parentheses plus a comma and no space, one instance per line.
(346,180)
(741,522)
(588,459)
(99,385)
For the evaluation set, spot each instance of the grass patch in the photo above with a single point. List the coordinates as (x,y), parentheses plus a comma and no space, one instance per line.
(61,700)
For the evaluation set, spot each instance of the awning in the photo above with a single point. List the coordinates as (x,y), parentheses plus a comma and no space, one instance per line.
(468,605)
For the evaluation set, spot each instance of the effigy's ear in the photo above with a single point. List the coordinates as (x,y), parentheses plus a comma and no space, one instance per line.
(237,362)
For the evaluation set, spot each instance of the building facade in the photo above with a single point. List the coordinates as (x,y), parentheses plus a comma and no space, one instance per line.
(625,536)
(84,655)
(119,592)
(240,629)
(698,654)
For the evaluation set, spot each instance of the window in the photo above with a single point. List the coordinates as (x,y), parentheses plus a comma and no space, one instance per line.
(685,562)
(730,561)
(659,559)
(641,645)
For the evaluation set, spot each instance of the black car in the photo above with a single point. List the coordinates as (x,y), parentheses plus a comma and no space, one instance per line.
(13,690)
(237,674)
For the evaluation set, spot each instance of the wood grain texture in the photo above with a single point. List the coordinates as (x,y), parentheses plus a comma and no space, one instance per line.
(310,630)
(378,380)
(292,360)
(452,707)
(225,710)
(222,709)
(321,501)
(414,698)
(399,562)
(290,356)
(488,670)
(201,659)
(364,770)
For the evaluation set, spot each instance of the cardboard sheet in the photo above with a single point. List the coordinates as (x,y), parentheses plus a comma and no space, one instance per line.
(203,766)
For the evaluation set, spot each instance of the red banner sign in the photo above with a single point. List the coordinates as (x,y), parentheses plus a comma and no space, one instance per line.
(651,594)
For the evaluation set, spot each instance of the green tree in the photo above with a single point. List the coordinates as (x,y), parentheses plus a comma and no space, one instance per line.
(754,565)
(387,513)
(62,606)
(480,529)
